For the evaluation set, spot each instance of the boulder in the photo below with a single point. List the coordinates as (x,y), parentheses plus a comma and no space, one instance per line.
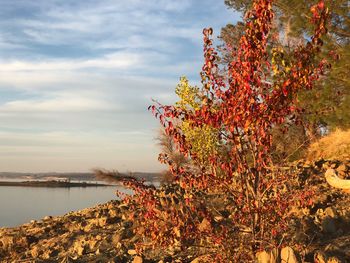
(335,181)
(329,225)
(288,255)
(263,257)
(137,259)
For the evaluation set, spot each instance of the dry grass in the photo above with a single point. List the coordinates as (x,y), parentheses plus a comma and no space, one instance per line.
(336,145)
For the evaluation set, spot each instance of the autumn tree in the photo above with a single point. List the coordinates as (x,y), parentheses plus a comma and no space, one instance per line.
(327,105)
(235,203)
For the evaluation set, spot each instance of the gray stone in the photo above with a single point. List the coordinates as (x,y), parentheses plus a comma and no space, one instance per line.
(329,225)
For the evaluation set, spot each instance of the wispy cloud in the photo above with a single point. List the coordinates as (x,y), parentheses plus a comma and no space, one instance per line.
(69,104)
(63,151)
(78,75)
(113,60)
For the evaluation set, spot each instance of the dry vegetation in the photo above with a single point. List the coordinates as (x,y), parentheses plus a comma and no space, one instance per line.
(336,145)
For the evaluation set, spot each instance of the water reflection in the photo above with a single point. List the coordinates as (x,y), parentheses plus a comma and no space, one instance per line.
(19,205)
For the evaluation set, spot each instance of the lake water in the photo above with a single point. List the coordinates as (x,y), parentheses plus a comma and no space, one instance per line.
(19,205)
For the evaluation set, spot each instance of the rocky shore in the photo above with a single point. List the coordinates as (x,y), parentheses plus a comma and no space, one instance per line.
(89,235)
(105,234)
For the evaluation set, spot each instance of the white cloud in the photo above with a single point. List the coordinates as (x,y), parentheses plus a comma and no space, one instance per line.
(64,24)
(55,105)
(76,78)
(64,152)
(110,61)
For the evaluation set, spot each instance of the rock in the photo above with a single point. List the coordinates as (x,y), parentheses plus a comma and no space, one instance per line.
(47,218)
(92,244)
(116,238)
(113,220)
(305,211)
(31,239)
(23,242)
(331,212)
(102,221)
(306,164)
(333,180)
(274,255)
(319,163)
(326,165)
(320,257)
(103,246)
(127,224)
(35,252)
(79,247)
(288,255)
(202,259)
(113,212)
(218,218)
(120,235)
(333,260)
(6,242)
(341,170)
(132,252)
(263,257)
(75,226)
(330,172)
(329,225)
(49,254)
(204,225)
(137,259)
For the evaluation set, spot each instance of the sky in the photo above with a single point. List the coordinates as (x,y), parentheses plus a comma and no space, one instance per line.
(77,76)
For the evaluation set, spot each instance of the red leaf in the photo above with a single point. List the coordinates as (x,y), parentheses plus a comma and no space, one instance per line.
(321,5)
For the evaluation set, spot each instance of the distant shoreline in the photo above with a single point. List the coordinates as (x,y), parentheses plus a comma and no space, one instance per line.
(52,183)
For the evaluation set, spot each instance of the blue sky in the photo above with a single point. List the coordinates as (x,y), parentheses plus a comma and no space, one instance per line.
(76,78)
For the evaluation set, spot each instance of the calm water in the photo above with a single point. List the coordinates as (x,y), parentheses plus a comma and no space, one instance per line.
(19,205)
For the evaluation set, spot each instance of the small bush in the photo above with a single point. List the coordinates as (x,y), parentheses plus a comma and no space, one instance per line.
(228,196)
